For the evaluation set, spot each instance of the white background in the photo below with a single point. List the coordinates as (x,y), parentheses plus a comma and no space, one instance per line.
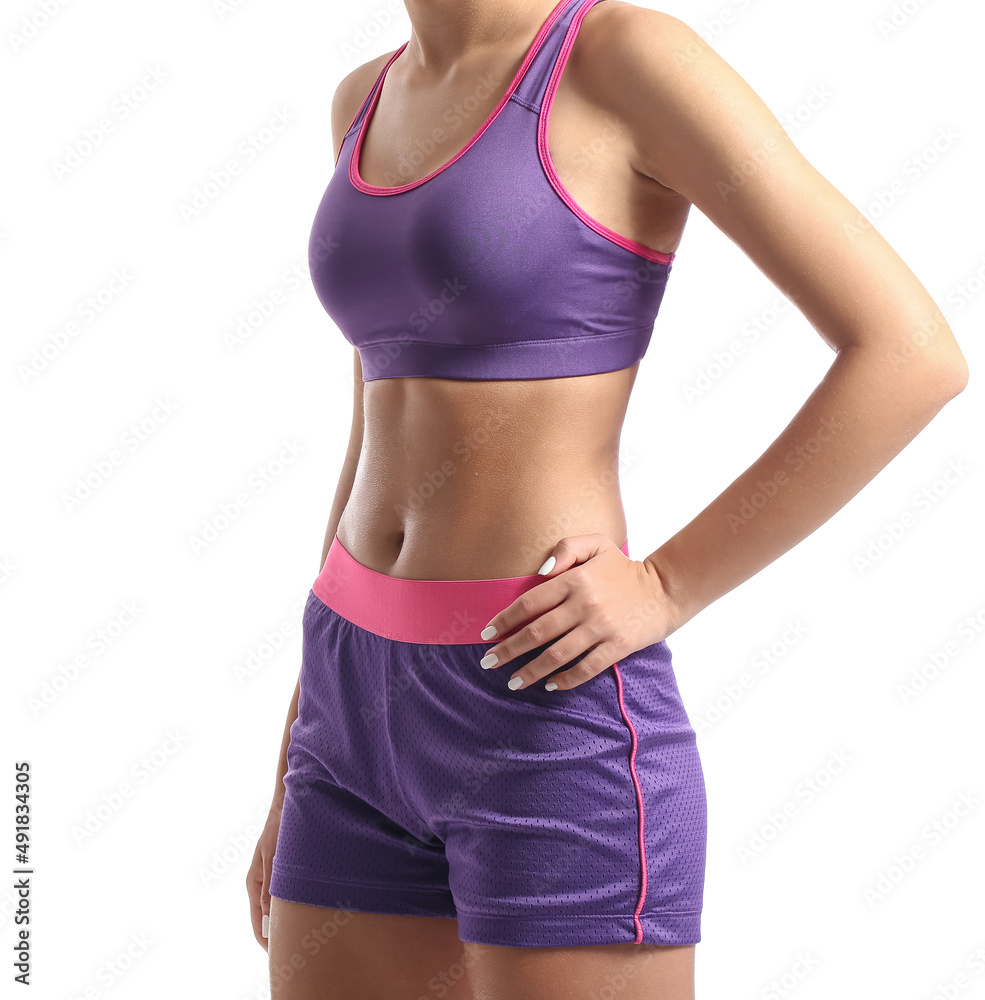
(169,863)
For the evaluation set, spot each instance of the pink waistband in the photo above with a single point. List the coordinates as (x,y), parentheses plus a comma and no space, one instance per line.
(422,611)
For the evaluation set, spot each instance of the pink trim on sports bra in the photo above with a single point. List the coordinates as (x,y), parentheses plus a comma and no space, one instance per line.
(374,189)
(548,163)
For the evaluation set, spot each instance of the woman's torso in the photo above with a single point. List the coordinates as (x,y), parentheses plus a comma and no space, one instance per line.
(472,479)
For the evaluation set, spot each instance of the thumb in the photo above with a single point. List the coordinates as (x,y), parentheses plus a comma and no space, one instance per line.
(574,549)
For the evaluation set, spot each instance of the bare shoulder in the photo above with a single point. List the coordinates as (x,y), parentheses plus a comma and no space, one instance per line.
(619,17)
(649,68)
(609,27)
(696,126)
(350,93)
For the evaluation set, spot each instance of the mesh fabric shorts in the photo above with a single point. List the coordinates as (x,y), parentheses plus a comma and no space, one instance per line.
(418,783)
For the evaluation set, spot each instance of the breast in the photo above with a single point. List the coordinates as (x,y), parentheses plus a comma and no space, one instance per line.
(480,272)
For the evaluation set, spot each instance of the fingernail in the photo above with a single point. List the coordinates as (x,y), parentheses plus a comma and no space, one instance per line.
(489,660)
(489,632)
(515,682)
(265,925)
(550,686)
(547,567)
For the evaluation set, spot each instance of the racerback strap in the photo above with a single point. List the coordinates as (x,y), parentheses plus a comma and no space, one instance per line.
(532,87)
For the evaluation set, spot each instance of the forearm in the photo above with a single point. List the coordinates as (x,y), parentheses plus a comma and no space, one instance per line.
(857,419)
(342,493)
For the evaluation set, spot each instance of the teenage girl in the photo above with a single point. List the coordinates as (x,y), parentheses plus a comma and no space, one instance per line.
(488,786)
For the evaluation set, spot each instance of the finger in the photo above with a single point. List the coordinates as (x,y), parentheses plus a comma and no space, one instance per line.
(603,656)
(577,641)
(253,888)
(543,629)
(265,895)
(571,550)
(529,605)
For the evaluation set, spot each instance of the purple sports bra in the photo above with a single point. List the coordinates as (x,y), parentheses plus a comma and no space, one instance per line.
(485,268)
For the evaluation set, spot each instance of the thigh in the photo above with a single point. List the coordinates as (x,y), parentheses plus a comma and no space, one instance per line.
(625,971)
(321,953)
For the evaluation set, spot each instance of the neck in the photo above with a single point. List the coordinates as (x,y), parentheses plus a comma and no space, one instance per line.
(446,32)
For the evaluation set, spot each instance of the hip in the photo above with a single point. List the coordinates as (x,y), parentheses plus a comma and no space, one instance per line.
(392,693)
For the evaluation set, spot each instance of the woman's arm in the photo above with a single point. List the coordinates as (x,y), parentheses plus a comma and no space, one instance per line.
(345,104)
(346,101)
(258,876)
(698,128)
(342,492)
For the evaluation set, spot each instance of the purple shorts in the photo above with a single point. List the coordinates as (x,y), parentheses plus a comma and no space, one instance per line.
(419,784)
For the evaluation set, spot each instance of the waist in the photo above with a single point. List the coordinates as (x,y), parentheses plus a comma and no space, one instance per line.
(445,612)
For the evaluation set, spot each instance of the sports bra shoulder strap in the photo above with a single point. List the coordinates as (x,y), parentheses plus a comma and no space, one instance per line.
(361,113)
(530,91)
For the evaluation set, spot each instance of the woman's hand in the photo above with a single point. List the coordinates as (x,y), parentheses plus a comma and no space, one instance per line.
(595,599)
(258,877)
